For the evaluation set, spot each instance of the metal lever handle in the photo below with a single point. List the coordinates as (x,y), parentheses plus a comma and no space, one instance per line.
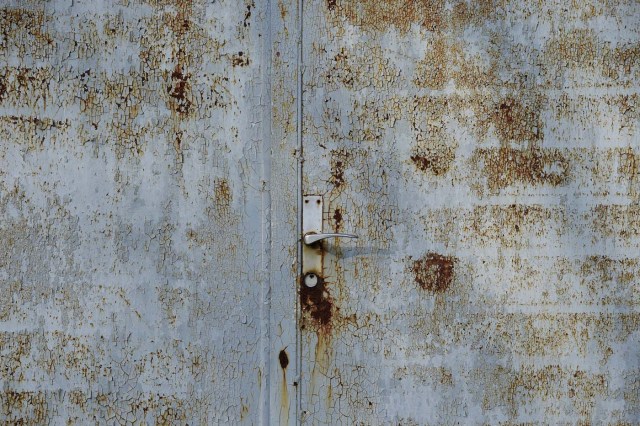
(311,238)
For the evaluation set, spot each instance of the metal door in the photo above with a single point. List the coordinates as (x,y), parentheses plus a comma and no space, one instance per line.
(135,206)
(486,153)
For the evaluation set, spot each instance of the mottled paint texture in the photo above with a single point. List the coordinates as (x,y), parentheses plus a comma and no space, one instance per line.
(131,271)
(486,153)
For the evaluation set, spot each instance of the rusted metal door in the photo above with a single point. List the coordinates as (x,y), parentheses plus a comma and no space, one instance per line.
(487,155)
(153,159)
(135,215)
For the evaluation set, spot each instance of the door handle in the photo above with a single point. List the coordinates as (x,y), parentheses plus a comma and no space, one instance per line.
(312,238)
(312,253)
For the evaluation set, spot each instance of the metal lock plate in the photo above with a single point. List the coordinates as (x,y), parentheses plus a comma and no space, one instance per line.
(311,223)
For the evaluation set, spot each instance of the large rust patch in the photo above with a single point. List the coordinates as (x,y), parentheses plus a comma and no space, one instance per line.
(317,305)
(505,167)
(434,272)
(433,15)
(515,121)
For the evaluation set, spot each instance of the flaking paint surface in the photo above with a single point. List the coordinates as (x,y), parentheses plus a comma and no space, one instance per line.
(486,153)
(130,212)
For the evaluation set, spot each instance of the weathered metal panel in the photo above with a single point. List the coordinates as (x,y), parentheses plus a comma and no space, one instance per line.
(487,155)
(133,184)
(283,213)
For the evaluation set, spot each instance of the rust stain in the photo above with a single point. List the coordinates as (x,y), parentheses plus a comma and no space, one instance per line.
(284,359)
(433,71)
(222,192)
(621,221)
(516,122)
(179,90)
(432,15)
(573,49)
(283,10)
(3,87)
(504,167)
(22,27)
(339,161)
(26,86)
(434,150)
(337,219)
(177,144)
(434,272)
(223,196)
(246,22)
(449,59)
(317,306)
(435,158)
(629,164)
(180,24)
(16,404)
(401,14)
(240,60)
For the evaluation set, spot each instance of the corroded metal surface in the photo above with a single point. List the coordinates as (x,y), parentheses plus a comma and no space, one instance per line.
(132,267)
(487,152)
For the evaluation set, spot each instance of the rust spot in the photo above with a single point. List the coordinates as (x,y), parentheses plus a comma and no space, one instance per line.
(239,60)
(507,166)
(338,164)
(337,218)
(284,359)
(337,173)
(283,9)
(317,305)
(436,158)
(179,89)
(434,272)
(3,88)
(247,15)
(222,192)
(177,143)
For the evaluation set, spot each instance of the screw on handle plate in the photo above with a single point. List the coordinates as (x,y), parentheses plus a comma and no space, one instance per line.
(312,238)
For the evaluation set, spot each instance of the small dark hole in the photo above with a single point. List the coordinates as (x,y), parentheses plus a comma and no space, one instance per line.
(318,202)
(306,201)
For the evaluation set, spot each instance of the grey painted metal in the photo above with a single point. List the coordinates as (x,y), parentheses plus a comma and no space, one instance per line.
(136,214)
(152,155)
(487,154)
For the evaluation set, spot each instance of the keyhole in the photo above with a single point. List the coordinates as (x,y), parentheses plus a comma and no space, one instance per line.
(311,280)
